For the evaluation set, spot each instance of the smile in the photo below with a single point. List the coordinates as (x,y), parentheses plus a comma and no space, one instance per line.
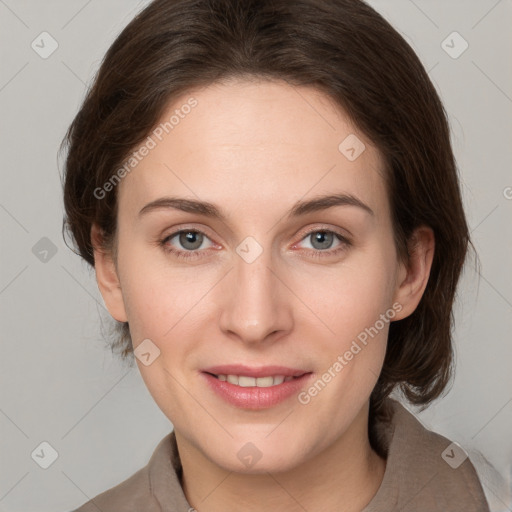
(249,392)
(245,381)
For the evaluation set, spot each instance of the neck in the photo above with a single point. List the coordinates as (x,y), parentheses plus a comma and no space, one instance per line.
(346,476)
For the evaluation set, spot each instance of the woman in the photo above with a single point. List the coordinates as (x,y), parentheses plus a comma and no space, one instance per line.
(269,198)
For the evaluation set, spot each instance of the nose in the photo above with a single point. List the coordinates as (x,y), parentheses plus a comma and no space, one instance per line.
(257,306)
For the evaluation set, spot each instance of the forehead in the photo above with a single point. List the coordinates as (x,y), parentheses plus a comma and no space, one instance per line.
(255,142)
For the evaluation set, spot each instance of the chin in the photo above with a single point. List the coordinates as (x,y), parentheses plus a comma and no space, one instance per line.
(257,457)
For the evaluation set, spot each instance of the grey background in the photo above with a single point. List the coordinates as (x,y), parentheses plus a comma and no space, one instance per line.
(60,385)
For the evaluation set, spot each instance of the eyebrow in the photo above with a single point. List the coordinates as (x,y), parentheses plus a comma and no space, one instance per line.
(300,208)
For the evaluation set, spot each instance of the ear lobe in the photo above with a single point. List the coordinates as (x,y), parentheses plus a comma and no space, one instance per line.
(413,279)
(107,278)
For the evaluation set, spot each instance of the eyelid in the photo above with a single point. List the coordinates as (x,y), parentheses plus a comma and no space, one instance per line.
(180,228)
(177,230)
(345,241)
(302,233)
(314,229)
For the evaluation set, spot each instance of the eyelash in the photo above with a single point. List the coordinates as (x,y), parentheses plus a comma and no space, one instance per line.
(316,253)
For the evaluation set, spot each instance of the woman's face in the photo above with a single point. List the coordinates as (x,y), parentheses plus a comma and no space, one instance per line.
(268,278)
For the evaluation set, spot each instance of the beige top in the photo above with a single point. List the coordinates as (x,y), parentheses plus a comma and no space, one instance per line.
(422,475)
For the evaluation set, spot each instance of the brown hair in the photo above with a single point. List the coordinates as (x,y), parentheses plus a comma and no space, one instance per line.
(345,49)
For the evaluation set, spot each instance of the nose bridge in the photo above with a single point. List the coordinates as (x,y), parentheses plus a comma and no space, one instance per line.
(256,306)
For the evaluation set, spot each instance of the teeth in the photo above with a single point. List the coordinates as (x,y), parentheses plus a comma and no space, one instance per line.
(260,382)
(232,379)
(246,382)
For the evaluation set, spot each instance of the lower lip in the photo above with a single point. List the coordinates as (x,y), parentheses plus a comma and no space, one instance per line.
(254,397)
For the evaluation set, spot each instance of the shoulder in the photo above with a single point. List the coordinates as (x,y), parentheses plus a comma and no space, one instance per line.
(425,471)
(131,494)
(137,492)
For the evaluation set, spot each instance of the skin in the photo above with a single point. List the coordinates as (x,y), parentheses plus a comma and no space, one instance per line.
(255,148)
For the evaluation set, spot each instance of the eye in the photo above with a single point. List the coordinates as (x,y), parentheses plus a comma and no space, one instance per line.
(321,242)
(191,240)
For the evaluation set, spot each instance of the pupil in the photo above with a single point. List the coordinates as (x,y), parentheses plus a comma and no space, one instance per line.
(324,239)
(191,237)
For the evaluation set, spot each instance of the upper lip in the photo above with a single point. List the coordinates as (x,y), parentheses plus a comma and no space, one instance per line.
(261,371)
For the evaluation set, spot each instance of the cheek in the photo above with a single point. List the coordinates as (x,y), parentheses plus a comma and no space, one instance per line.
(354,295)
(148,299)
(356,305)
(159,296)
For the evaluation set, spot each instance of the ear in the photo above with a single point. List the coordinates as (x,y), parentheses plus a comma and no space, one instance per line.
(107,278)
(413,277)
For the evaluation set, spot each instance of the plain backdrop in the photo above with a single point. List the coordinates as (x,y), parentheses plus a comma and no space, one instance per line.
(61,385)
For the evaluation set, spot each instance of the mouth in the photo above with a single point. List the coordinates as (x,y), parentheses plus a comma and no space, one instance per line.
(255,388)
(246,381)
